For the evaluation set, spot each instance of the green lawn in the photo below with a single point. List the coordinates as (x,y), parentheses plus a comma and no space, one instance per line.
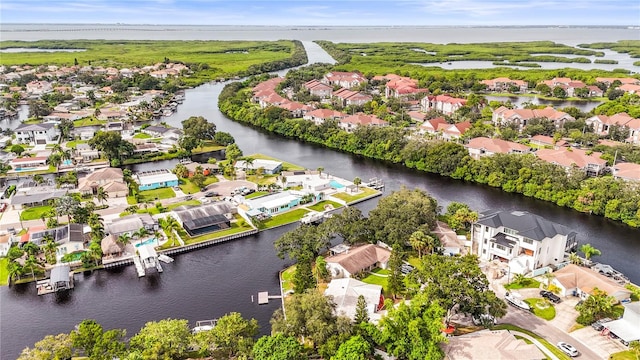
(377,280)
(256,194)
(4,272)
(207,146)
(623,355)
(380,271)
(152,210)
(541,308)
(286,218)
(557,352)
(34,213)
(152,195)
(364,192)
(527,283)
(414,261)
(287,276)
(188,187)
(142,136)
(263,180)
(72,144)
(286,166)
(320,206)
(90,121)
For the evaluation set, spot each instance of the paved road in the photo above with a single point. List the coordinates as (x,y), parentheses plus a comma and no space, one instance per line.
(552,334)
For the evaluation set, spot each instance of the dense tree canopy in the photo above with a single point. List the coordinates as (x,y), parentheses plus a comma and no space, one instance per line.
(199,128)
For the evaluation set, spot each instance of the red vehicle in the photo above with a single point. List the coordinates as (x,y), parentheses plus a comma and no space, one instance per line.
(3,207)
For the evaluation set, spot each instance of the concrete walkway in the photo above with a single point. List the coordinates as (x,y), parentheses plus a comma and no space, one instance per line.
(537,343)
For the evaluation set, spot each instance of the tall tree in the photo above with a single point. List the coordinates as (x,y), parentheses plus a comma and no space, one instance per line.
(357,181)
(55,159)
(589,251)
(199,128)
(66,205)
(356,348)
(233,153)
(85,336)
(17,149)
(395,283)
(362,314)
(303,277)
(597,306)
(101,195)
(51,347)
(418,241)
(164,339)
(351,226)
(233,335)
(305,240)
(278,347)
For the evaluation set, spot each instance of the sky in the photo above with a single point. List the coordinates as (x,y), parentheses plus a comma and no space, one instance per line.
(325,13)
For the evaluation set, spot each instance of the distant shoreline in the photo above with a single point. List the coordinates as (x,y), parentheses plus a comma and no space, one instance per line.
(339,26)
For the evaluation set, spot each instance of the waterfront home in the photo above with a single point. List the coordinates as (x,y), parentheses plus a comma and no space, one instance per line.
(482,146)
(84,153)
(628,327)
(521,117)
(69,238)
(630,88)
(587,160)
(453,131)
(204,219)
(442,103)
(310,181)
(111,180)
(156,179)
(130,224)
(319,116)
(155,131)
(490,344)
(36,134)
(504,84)
(351,122)
(346,97)
(111,247)
(355,260)
(431,126)
(346,80)
(626,171)
(523,240)
(207,169)
(316,88)
(275,203)
(345,293)
(581,281)
(270,167)
(6,241)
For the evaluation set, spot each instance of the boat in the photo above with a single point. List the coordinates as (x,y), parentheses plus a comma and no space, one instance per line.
(312,218)
(515,299)
(204,325)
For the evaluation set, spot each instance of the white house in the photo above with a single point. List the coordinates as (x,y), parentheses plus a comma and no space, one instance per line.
(581,281)
(526,241)
(36,133)
(443,103)
(270,166)
(345,293)
(6,240)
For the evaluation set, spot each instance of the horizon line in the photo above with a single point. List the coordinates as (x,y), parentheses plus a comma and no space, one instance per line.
(336,26)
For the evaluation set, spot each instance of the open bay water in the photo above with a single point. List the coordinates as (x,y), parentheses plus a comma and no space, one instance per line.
(211,282)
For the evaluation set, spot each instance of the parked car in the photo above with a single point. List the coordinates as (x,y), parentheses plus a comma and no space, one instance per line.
(3,207)
(406,268)
(551,296)
(211,194)
(568,349)
(599,325)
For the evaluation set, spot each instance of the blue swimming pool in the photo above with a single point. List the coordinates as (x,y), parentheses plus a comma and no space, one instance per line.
(151,241)
(67,162)
(336,185)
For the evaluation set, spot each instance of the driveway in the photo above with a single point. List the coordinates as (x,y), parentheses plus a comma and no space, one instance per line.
(602,345)
(566,313)
(225,188)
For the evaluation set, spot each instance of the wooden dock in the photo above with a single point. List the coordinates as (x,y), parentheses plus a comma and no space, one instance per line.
(263,297)
(139,267)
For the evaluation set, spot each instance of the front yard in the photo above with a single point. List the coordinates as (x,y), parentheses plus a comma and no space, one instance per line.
(189,187)
(34,213)
(152,195)
(541,308)
(526,283)
(285,218)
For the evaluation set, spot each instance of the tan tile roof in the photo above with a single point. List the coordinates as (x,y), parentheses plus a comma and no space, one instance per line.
(574,276)
(628,171)
(564,157)
(487,344)
(361,257)
(496,145)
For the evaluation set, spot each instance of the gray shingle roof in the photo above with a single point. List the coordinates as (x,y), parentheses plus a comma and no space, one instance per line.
(526,224)
(34,127)
(198,217)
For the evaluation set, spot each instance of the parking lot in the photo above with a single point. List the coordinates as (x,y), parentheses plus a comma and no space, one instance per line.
(602,345)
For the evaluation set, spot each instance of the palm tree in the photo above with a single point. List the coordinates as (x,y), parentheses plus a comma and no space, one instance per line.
(49,248)
(55,159)
(575,259)
(101,195)
(123,239)
(634,347)
(56,148)
(142,232)
(589,251)
(31,249)
(31,263)
(418,241)
(38,179)
(248,162)
(170,226)
(357,181)
(320,170)
(15,270)
(181,171)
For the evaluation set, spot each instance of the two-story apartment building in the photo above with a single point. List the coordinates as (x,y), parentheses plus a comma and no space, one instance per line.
(443,103)
(346,80)
(521,117)
(526,241)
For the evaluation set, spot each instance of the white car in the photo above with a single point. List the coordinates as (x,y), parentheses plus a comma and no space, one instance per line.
(568,349)
(204,200)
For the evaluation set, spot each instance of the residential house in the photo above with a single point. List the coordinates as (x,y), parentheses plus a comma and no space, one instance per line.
(416,116)
(319,116)
(114,126)
(357,259)
(308,180)
(155,131)
(431,126)
(453,131)
(84,153)
(623,81)
(490,344)
(626,171)
(156,179)
(270,167)
(521,117)
(628,327)
(207,169)
(69,238)
(442,103)
(204,219)
(39,87)
(586,160)
(347,97)
(29,163)
(351,122)
(111,180)
(403,87)
(145,148)
(547,141)
(346,80)
(6,241)
(504,84)
(36,134)
(296,109)
(345,293)
(111,247)
(525,241)
(316,88)
(32,194)
(130,224)
(275,203)
(482,146)
(630,88)
(171,137)
(581,281)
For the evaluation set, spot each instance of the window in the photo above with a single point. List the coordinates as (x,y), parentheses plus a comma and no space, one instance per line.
(484,251)
(528,241)
(501,247)
(509,231)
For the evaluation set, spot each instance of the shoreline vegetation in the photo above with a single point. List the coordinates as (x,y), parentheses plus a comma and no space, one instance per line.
(209,60)
(513,173)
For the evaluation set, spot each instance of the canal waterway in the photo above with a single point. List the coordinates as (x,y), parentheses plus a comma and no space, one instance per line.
(208,283)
